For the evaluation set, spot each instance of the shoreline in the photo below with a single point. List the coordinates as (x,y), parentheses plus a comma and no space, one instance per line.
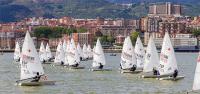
(112,50)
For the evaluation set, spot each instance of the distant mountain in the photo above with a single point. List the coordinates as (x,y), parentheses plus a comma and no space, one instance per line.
(153,1)
(14,10)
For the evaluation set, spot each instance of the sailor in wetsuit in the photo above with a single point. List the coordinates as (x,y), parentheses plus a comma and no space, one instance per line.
(133,68)
(62,63)
(175,74)
(155,71)
(75,65)
(100,66)
(36,78)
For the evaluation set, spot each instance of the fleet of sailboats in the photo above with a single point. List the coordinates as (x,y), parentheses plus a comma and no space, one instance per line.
(128,60)
(73,56)
(133,60)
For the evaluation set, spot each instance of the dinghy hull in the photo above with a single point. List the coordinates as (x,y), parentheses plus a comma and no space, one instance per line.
(100,70)
(36,83)
(171,78)
(76,67)
(128,71)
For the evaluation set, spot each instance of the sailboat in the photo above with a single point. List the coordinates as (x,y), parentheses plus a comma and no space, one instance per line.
(98,58)
(151,60)
(139,53)
(168,63)
(80,52)
(196,83)
(73,57)
(89,50)
(48,53)
(31,65)
(42,53)
(85,53)
(128,59)
(60,56)
(17,52)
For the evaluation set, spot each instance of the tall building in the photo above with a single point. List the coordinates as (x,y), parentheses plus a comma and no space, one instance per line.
(166,9)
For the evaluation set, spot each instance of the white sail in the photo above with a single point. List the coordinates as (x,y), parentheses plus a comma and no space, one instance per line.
(30,62)
(167,57)
(73,57)
(93,50)
(17,52)
(66,53)
(196,83)
(64,46)
(85,53)
(98,55)
(42,52)
(48,52)
(79,49)
(139,53)
(89,50)
(59,53)
(127,57)
(151,57)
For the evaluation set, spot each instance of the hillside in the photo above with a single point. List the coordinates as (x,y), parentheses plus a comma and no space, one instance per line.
(14,10)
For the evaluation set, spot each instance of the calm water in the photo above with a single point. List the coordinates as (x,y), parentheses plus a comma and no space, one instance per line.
(87,82)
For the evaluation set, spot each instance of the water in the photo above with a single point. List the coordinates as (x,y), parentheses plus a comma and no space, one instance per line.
(87,82)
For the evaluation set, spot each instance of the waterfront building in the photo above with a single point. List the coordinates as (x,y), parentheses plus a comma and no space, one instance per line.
(165,9)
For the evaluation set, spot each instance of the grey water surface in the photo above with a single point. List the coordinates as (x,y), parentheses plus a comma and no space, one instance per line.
(88,82)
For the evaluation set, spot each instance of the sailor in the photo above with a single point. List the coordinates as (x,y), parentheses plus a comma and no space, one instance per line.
(155,71)
(43,61)
(120,66)
(36,78)
(175,74)
(75,65)
(62,63)
(133,68)
(18,60)
(100,66)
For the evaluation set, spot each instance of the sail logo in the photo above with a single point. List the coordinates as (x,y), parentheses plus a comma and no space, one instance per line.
(148,56)
(97,54)
(139,56)
(127,56)
(71,54)
(163,57)
(29,58)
